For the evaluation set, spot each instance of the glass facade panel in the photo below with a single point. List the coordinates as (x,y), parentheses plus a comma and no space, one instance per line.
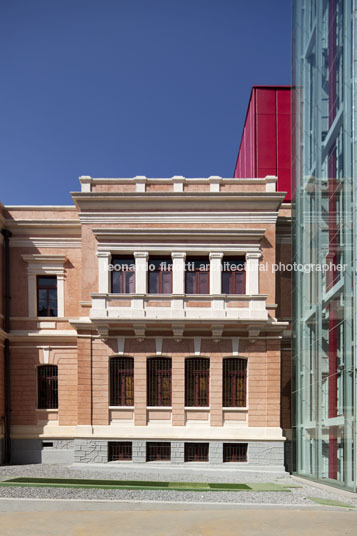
(324,208)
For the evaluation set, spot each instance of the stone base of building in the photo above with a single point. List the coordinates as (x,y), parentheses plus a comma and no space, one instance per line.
(259,454)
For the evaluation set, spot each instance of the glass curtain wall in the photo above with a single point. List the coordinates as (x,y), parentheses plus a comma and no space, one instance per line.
(324,175)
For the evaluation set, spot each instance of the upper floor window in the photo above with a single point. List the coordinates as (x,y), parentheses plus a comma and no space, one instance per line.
(197,381)
(160,275)
(47,295)
(234,382)
(197,275)
(121,377)
(47,387)
(159,381)
(123,275)
(233,275)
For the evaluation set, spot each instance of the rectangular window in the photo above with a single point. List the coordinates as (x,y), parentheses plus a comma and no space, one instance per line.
(197,275)
(235,452)
(46,295)
(233,276)
(47,387)
(196,452)
(234,382)
(197,382)
(123,275)
(158,451)
(119,451)
(121,374)
(159,381)
(160,275)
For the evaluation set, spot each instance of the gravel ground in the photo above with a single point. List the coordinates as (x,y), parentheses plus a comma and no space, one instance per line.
(298,496)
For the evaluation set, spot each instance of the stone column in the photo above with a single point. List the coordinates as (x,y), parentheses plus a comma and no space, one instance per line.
(103,271)
(178,272)
(141,272)
(215,275)
(252,273)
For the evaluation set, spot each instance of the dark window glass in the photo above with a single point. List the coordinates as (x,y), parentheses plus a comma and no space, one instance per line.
(47,387)
(233,276)
(196,452)
(234,382)
(121,381)
(160,275)
(197,382)
(120,451)
(158,451)
(123,275)
(235,452)
(197,276)
(159,381)
(47,295)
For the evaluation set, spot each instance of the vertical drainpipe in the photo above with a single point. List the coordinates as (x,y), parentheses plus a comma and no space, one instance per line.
(7,442)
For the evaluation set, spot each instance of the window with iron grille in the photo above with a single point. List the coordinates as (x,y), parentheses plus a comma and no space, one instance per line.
(158,451)
(160,275)
(197,382)
(47,386)
(121,380)
(196,452)
(233,275)
(159,381)
(119,451)
(235,452)
(234,382)
(197,275)
(47,295)
(123,275)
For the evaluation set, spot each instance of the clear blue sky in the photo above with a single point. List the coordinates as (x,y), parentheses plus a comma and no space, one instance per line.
(118,88)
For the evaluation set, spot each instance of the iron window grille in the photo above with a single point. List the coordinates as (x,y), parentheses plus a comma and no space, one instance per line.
(233,276)
(120,451)
(197,382)
(47,385)
(123,275)
(159,381)
(47,295)
(196,452)
(197,276)
(235,452)
(158,451)
(121,374)
(234,382)
(160,275)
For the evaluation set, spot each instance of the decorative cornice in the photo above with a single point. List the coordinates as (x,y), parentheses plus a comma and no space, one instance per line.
(178,217)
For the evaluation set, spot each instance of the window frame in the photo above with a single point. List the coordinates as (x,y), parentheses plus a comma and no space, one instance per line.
(117,385)
(197,399)
(230,391)
(151,380)
(232,280)
(160,271)
(121,273)
(197,272)
(42,399)
(38,288)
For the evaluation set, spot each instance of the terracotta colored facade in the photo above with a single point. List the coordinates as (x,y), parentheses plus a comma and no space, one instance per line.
(179,218)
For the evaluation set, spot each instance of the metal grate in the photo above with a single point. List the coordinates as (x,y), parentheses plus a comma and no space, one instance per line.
(197,382)
(158,451)
(235,452)
(119,451)
(196,452)
(159,381)
(234,382)
(121,381)
(47,385)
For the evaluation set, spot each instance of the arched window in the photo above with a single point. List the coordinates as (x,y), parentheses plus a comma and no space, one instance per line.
(159,381)
(47,387)
(121,381)
(234,382)
(197,381)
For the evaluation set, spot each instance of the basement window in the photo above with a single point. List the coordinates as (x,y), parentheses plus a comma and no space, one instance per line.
(196,452)
(158,452)
(120,451)
(235,452)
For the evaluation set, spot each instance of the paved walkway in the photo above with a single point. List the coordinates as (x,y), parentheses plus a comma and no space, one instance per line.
(81,518)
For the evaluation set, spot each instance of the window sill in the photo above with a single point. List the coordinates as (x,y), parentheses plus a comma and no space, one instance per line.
(47,410)
(234,408)
(158,407)
(198,408)
(121,407)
